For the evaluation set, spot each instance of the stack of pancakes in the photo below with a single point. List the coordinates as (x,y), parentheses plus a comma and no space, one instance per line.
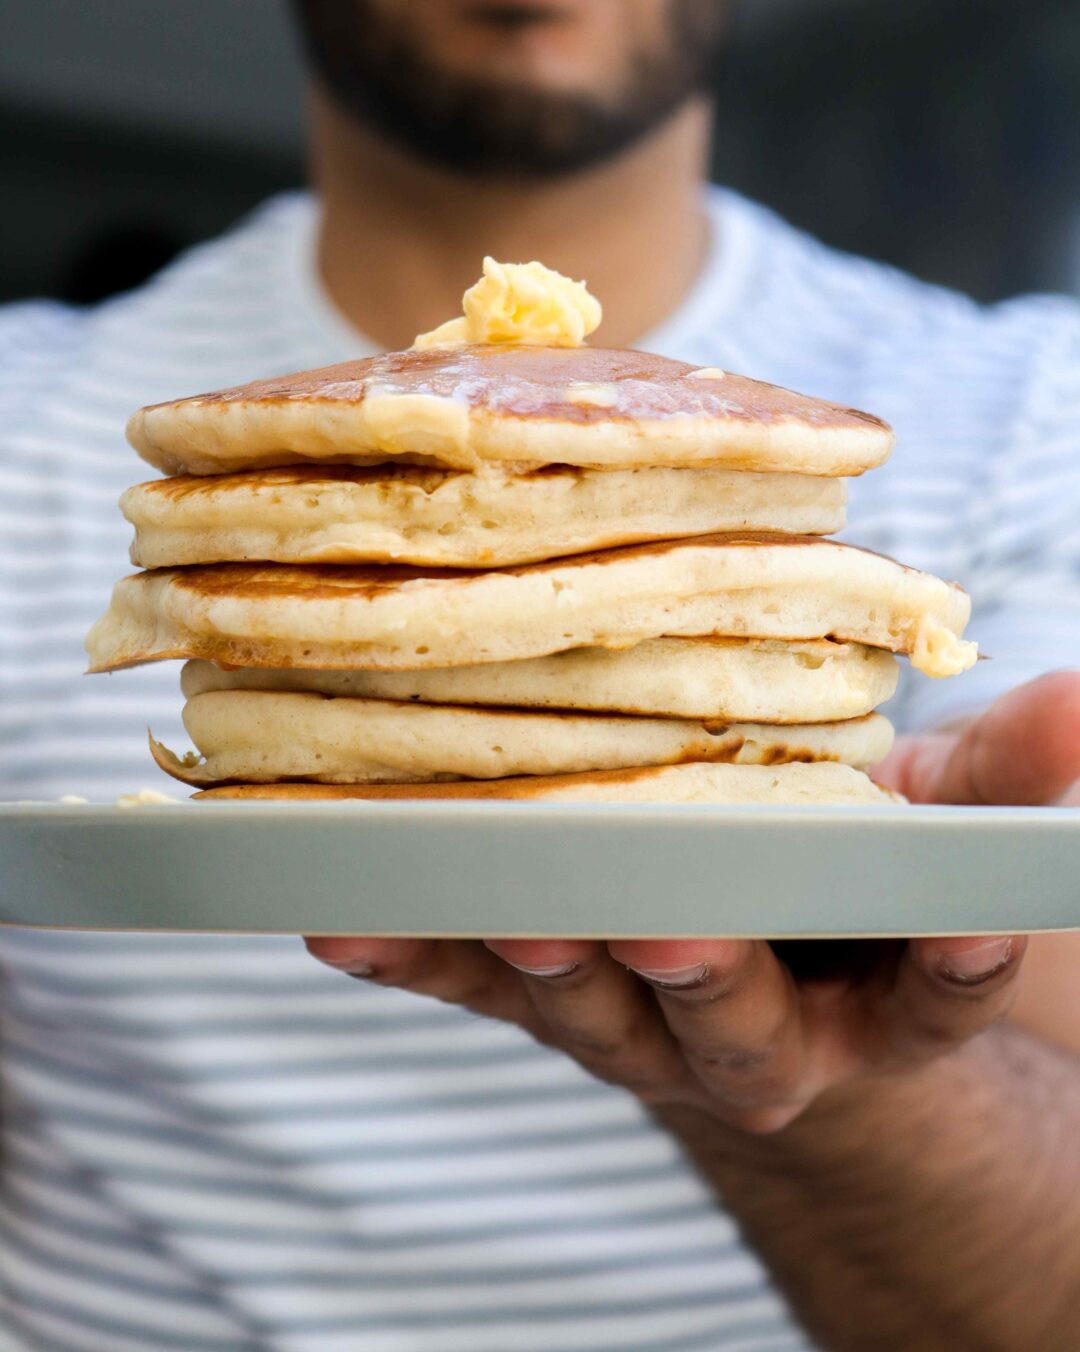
(519,571)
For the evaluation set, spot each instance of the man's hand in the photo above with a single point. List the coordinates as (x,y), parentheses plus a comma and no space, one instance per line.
(726,1026)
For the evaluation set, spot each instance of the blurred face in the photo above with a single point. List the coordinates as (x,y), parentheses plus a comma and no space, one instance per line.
(522,87)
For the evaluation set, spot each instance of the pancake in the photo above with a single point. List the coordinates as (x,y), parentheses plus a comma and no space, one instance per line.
(747,680)
(261,736)
(495,517)
(462,406)
(770,786)
(394,618)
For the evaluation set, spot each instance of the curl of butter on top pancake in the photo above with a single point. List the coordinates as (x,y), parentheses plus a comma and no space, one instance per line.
(519,303)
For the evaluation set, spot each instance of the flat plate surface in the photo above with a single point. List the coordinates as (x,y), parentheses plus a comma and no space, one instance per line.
(540,869)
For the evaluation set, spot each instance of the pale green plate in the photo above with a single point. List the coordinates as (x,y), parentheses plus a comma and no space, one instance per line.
(540,869)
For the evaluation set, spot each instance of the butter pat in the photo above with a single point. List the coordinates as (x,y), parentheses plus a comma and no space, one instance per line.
(706,373)
(938,652)
(145,798)
(429,424)
(519,303)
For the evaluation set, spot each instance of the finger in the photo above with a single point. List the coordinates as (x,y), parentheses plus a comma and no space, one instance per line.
(601,1015)
(461,972)
(357,955)
(1024,750)
(545,957)
(734,1010)
(949,990)
(915,765)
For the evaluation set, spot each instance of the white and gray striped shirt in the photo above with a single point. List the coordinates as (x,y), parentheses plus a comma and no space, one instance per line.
(214,1143)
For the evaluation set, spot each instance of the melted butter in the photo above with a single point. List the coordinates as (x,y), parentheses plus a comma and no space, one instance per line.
(519,303)
(427,424)
(938,651)
(706,373)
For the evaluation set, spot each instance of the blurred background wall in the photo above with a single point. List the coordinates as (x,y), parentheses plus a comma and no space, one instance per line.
(941,135)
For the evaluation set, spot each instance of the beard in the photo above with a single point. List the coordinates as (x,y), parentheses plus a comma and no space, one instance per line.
(482,126)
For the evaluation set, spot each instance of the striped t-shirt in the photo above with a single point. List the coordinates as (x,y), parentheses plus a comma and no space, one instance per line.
(215,1143)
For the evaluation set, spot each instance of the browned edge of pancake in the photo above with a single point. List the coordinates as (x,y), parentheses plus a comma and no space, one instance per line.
(332,579)
(725,753)
(524,787)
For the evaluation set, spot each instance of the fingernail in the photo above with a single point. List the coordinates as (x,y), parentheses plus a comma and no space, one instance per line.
(674,978)
(559,969)
(362,971)
(971,966)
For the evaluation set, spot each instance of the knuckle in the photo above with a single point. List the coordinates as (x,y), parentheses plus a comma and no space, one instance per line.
(587,1043)
(765,1121)
(935,1036)
(647,1080)
(474,995)
(598,1046)
(749,1079)
(411,974)
(740,1062)
(669,1090)
(641,1084)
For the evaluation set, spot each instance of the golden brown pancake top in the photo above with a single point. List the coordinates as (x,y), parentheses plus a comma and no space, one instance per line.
(537,382)
(330,580)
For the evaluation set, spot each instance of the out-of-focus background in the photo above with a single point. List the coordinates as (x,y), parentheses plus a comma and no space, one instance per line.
(941,135)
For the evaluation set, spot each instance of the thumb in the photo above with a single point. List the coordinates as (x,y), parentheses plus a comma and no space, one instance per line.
(1024,750)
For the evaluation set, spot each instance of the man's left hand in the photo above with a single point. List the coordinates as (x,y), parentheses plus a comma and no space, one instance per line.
(726,1025)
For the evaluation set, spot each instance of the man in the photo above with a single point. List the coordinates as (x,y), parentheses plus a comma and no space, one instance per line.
(217,1143)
